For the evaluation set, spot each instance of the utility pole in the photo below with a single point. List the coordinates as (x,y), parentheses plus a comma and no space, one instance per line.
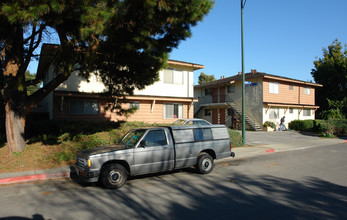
(243,3)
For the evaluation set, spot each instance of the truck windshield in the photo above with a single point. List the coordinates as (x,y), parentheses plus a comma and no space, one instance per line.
(131,138)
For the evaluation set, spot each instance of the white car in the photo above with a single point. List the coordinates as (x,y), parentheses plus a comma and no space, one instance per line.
(193,121)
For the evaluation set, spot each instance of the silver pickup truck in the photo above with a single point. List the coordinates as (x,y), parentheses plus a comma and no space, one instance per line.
(150,150)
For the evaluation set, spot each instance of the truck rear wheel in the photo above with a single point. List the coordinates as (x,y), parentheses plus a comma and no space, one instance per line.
(114,176)
(204,164)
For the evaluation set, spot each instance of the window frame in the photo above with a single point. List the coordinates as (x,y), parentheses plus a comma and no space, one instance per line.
(306,91)
(208,91)
(306,113)
(274,88)
(230,89)
(275,112)
(175,77)
(134,105)
(85,103)
(180,108)
(208,112)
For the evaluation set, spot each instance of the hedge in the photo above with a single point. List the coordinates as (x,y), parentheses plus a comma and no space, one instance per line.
(235,138)
(326,128)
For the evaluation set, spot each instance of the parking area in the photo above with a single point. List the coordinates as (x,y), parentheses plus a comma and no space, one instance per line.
(277,137)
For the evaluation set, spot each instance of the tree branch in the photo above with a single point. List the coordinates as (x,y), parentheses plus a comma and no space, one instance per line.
(33,45)
(45,90)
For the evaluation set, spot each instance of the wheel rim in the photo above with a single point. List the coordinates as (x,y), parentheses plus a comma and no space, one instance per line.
(115,176)
(206,164)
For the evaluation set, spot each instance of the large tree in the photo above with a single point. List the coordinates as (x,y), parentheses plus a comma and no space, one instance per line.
(126,41)
(204,78)
(331,72)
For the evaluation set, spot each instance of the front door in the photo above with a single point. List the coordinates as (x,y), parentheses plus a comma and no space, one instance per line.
(214,116)
(157,155)
(222,115)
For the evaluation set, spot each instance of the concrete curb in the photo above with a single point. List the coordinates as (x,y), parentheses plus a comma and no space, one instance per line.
(34,177)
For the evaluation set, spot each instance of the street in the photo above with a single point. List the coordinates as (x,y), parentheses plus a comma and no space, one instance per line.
(302,184)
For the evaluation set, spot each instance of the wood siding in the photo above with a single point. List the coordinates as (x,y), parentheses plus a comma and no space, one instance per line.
(147,113)
(295,96)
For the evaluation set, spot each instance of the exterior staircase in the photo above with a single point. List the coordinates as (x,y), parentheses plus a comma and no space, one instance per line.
(251,123)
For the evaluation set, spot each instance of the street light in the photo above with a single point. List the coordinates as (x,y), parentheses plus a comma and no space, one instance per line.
(243,3)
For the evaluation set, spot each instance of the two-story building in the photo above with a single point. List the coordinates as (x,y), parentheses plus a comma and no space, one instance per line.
(267,98)
(165,101)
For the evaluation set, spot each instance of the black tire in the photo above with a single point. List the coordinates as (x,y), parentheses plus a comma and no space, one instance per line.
(204,164)
(114,176)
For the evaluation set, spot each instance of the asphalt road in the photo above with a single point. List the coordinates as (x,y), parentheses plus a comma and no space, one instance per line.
(301,184)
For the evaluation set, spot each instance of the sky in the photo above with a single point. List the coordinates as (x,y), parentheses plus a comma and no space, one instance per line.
(281,37)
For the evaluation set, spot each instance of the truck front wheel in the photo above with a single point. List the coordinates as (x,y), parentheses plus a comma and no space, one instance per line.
(204,164)
(114,176)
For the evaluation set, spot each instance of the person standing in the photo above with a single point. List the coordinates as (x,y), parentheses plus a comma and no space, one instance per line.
(283,124)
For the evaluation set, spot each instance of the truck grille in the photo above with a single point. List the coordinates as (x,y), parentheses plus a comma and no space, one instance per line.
(80,161)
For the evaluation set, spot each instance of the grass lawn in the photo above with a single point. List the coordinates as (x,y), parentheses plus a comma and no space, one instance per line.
(58,145)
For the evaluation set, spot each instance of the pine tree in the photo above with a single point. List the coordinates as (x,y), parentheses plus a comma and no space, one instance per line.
(126,41)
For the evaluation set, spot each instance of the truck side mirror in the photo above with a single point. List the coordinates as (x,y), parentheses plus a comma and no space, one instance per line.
(143,143)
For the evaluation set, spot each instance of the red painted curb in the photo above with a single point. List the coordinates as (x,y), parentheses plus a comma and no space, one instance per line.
(270,151)
(34,177)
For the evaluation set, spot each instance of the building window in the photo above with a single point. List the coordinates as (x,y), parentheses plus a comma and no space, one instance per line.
(84,107)
(208,112)
(134,105)
(274,114)
(307,91)
(291,87)
(173,76)
(230,112)
(291,111)
(173,111)
(208,92)
(231,89)
(274,88)
(307,112)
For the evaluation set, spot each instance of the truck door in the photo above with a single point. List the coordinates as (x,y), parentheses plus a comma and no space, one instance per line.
(157,155)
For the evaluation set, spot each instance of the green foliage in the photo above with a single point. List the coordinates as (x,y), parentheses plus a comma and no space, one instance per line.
(128,42)
(332,128)
(34,87)
(331,72)
(337,109)
(204,78)
(235,138)
(270,124)
(302,125)
(78,135)
(61,129)
(326,128)
(71,139)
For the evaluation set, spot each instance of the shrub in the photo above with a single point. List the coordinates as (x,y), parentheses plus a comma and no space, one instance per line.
(235,138)
(302,125)
(331,128)
(270,124)
(326,128)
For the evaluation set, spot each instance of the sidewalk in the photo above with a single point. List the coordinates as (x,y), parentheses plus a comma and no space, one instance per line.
(257,143)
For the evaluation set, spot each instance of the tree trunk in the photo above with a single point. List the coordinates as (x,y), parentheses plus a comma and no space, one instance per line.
(15,125)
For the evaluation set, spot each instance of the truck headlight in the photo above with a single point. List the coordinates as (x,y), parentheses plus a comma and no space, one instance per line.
(89,163)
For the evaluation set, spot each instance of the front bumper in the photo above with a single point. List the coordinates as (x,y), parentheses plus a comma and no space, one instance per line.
(87,175)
